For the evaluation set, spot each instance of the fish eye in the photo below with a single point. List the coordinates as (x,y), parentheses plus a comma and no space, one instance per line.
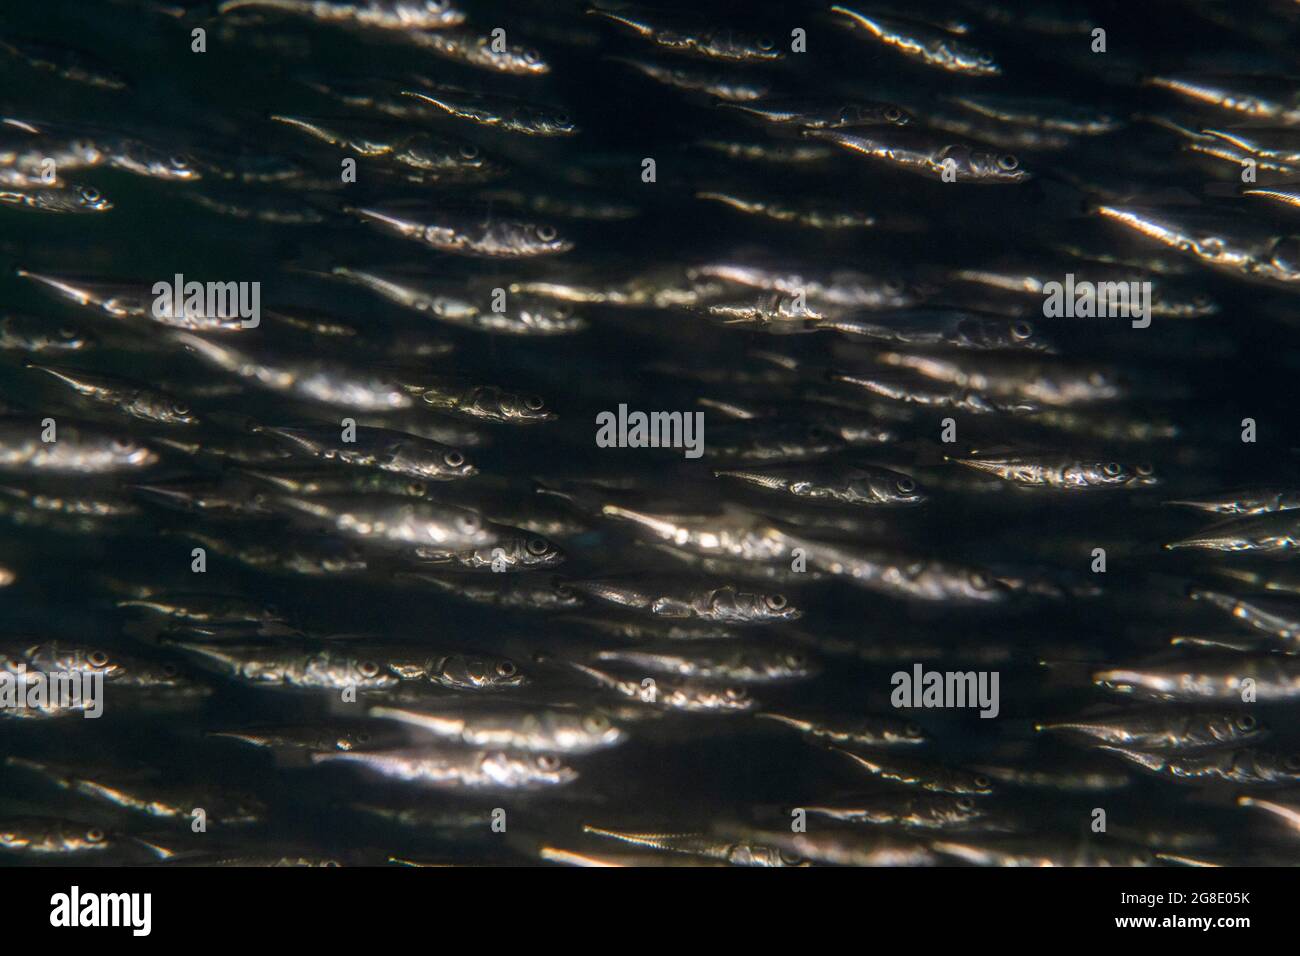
(90,195)
(532,56)
(534,403)
(67,333)
(467,524)
(796,660)
(912,730)
(766,43)
(179,162)
(546,233)
(537,546)
(905,486)
(984,59)
(1008,162)
(1286,252)
(595,723)
(1022,330)
(1246,722)
(983,782)
(736,693)
(1293,762)
(980,581)
(776,602)
(893,287)
(97,659)
(507,668)
(169,670)
(469,151)
(454,458)
(95,835)
(180,408)
(548,762)
(1112,469)
(417,488)
(893,114)
(562,119)
(368,669)
(121,445)
(1146,469)
(330,863)
(965,803)
(789,860)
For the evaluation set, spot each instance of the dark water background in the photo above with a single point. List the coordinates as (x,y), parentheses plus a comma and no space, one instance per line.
(681,772)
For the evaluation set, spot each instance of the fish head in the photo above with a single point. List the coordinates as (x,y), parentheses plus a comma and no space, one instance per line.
(478,672)
(893,488)
(538,552)
(453,463)
(90,199)
(500,405)
(538,239)
(999,167)
(864,114)
(1285,258)
(754,606)
(528,770)
(596,729)
(1113,473)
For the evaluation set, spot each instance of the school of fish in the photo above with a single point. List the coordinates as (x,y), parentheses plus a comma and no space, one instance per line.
(329,335)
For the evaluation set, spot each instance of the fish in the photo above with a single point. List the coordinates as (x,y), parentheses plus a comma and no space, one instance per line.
(1243,502)
(1061,473)
(1266,532)
(468,234)
(932,47)
(1237,246)
(76,66)
(141,793)
(472,49)
(324,382)
(1244,767)
(723,603)
(396,522)
(853,731)
(834,484)
(912,812)
(381,448)
(72,449)
(921,775)
(734,665)
(685,695)
(682,36)
(400,15)
(130,398)
(925,154)
(550,730)
(503,113)
(1159,731)
(460,770)
(1221,678)
(702,845)
(1274,614)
